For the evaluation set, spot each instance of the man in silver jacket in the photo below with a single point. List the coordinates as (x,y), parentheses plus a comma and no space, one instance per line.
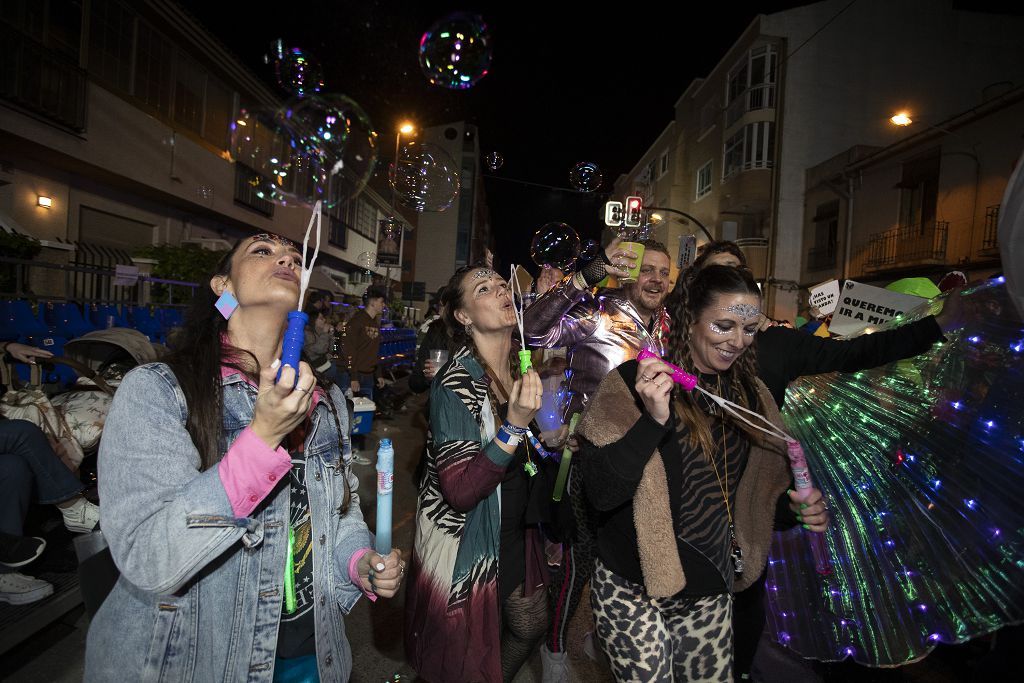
(601,329)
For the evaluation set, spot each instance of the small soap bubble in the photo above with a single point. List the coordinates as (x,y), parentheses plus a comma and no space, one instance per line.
(367,260)
(455,52)
(585,177)
(425,177)
(494,161)
(295,69)
(555,244)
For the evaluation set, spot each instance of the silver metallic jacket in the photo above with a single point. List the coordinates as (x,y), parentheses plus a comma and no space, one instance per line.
(601,329)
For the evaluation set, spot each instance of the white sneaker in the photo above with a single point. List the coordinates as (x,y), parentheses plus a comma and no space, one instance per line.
(82,517)
(18,589)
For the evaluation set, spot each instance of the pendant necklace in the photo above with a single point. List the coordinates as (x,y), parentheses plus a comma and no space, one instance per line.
(736,553)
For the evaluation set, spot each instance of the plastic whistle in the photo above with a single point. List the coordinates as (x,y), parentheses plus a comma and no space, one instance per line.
(294,338)
(802,477)
(563,469)
(385,487)
(679,376)
(525,361)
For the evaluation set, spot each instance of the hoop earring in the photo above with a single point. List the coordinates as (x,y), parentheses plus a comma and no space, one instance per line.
(226,304)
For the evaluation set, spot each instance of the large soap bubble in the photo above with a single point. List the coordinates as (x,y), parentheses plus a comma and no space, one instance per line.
(265,144)
(296,70)
(589,251)
(585,176)
(425,178)
(494,161)
(555,244)
(339,140)
(455,52)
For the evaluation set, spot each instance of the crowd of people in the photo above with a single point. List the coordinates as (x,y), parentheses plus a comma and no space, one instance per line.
(230,507)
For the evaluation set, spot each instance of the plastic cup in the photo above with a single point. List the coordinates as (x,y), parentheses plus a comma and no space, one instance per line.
(634,272)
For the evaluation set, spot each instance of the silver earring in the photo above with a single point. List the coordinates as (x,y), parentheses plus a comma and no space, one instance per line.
(469,328)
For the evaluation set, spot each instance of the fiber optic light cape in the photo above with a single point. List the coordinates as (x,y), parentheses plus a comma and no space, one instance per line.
(922,464)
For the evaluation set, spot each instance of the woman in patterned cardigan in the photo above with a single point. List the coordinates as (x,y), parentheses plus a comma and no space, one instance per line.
(476,604)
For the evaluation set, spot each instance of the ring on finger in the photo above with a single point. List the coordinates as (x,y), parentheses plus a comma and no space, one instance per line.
(645,378)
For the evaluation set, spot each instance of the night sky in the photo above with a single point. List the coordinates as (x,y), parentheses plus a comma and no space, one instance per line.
(566,85)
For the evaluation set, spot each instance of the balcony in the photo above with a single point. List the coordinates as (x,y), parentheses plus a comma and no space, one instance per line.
(990,237)
(40,81)
(249,186)
(754,98)
(912,245)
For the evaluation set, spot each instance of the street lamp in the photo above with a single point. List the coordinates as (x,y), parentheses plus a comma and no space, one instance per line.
(405,128)
(901,119)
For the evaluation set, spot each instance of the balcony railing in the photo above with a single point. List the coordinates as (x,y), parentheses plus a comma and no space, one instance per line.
(38,80)
(249,190)
(908,245)
(821,258)
(990,238)
(756,97)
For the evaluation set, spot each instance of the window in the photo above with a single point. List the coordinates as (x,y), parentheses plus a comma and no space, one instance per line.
(337,232)
(704,180)
(153,55)
(189,87)
(366,218)
(663,164)
(753,146)
(111,36)
(919,192)
(220,103)
(751,83)
(826,230)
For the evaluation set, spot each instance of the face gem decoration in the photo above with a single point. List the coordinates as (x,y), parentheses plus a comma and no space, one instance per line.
(271,237)
(717,329)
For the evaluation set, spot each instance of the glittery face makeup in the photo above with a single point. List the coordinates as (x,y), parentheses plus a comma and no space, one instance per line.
(484,273)
(718,329)
(745,311)
(271,237)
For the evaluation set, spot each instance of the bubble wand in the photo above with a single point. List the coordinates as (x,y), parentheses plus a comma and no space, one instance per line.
(525,360)
(294,334)
(797,461)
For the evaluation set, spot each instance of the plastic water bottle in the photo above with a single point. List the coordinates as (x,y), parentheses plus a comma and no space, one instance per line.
(385,487)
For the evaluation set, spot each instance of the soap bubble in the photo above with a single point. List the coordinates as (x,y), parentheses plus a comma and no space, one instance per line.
(425,178)
(321,147)
(589,251)
(494,161)
(455,52)
(296,70)
(338,139)
(585,176)
(555,244)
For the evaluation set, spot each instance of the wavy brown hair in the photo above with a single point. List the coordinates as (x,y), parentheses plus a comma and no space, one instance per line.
(686,306)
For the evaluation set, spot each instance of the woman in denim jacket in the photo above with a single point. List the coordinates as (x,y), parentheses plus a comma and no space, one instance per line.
(211,472)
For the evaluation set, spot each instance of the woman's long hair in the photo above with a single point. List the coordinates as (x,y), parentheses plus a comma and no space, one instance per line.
(200,348)
(686,305)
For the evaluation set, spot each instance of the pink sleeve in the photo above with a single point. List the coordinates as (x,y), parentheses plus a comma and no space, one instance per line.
(353,572)
(250,470)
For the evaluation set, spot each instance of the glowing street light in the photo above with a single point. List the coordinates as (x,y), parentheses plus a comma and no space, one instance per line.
(901,119)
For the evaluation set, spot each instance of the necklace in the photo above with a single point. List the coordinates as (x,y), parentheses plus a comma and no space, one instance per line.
(736,553)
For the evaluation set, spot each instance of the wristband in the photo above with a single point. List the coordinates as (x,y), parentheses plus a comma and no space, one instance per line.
(508,438)
(512,429)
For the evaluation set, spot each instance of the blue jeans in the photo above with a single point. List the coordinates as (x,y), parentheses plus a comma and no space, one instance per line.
(29,466)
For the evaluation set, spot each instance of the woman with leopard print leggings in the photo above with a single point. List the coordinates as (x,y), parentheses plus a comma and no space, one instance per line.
(685,498)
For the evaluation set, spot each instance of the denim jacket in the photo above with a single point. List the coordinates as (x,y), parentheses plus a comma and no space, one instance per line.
(200,593)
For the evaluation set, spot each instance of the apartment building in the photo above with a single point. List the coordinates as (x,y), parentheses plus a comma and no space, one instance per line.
(115,134)
(796,89)
(924,205)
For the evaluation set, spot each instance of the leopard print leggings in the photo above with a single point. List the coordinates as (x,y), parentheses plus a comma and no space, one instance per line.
(661,639)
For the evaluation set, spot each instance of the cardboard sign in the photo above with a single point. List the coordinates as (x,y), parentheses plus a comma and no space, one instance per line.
(125,276)
(862,305)
(687,251)
(389,242)
(825,296)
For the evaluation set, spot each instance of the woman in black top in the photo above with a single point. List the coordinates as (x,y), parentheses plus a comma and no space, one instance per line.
(685,497)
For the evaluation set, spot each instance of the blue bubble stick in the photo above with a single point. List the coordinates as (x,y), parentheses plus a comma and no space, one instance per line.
(291,347)
(385,487)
